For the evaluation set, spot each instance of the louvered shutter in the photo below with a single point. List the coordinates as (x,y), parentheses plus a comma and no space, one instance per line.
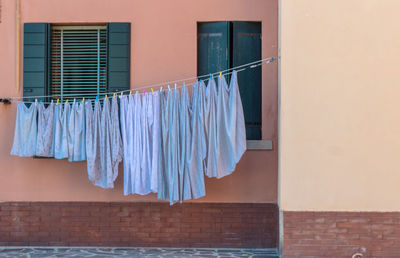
(119,52)
(212,47)
(247,48)
(35,63)
(78,61)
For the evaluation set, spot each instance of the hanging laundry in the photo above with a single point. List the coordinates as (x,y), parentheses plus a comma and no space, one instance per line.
(184,143)
(231,132)
(77,133)
(93,126)
(124,110)
(25,133)
(197,149)
(116,142)
(61,117)
(45,131)
(210,110)
(145,160)
(155,139)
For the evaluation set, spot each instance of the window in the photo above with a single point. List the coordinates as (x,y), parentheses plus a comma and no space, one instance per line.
(78,61)
(75,59)
(223,45)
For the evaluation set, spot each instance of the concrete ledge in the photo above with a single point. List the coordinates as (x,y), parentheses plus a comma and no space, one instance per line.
(259,144)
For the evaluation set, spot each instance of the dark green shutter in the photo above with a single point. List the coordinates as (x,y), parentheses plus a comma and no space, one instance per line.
(36,54)
(246,49)
(212,47)
(119,52)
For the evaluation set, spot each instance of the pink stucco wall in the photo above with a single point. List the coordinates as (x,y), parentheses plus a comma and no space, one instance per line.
(163,48)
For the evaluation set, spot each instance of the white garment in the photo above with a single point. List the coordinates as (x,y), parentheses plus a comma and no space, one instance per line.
(45,132)
(25,133)
(230,126)
(61,116)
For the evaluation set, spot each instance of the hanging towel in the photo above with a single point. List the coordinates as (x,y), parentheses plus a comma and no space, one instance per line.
(61,115)
(174,147)
(230,126)
(116,142)
(93,125)
(210,125)
(106,172)
(45,132)
(25,133)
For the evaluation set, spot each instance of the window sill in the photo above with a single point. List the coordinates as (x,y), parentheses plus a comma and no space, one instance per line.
(259,144)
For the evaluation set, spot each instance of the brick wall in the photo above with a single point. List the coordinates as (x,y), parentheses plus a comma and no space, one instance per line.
(341,234)
(139,224)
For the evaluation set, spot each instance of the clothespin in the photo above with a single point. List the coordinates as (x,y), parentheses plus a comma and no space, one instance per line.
(169,88)
(105,97)
(58,100)
(66,102)
(83,100)
(152,91)
(220,74)
(175,86)
(114,95)
(161,89)
(122,93)
(211,77)
(35,101)
(97,98)
(144,91)
(130,92)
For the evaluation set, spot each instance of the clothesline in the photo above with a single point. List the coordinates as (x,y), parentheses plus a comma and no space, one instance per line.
(243,67)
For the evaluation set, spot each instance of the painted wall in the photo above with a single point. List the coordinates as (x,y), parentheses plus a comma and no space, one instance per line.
(340,92)
(163,48)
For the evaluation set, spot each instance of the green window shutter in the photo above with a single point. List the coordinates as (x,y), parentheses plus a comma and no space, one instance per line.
(119,53)
(247,48)
(212,47)
(35,64)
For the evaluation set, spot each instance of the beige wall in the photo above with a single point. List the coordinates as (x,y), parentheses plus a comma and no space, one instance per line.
(163,48)
(340,105)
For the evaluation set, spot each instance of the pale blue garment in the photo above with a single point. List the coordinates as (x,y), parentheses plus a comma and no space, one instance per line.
(210,124)
(77,133)
(145,161)
(45,132)
(230,126)
(163,189)
(93,138)
(25,132)
(105,147)
(139,175)
(61,131)
(184,143)
(173,147)
(124,105)
(71,131)
(168,177)
(197,150)
(116,142)
(155,139)
(130,126)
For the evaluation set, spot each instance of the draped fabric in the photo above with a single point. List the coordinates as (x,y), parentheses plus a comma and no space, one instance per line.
(168,140)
